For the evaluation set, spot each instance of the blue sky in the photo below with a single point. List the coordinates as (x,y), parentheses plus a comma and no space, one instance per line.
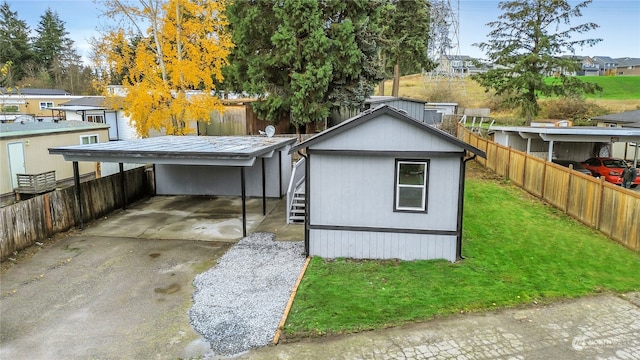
(619,22)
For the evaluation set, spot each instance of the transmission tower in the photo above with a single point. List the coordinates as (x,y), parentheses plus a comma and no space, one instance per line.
(444,45)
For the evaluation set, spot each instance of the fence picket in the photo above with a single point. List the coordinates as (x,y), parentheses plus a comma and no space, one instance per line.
(608,208)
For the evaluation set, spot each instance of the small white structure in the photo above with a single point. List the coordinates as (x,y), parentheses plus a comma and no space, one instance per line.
(383,185)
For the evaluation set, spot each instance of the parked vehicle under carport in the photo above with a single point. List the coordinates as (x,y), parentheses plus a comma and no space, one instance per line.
(610,168)
(577,166)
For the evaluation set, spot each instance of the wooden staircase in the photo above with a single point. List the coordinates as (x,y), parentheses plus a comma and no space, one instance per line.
(297,210)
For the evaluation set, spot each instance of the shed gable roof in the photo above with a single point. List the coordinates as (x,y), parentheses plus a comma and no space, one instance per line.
(393,113)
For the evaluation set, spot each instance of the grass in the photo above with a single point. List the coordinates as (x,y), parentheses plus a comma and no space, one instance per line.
(518,252)
(613,87)
(621,93)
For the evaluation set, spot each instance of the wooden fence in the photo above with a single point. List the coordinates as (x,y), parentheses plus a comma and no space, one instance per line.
(603,206)
(28,221)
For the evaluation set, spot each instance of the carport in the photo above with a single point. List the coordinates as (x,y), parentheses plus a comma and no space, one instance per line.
(583,139)
(197,165)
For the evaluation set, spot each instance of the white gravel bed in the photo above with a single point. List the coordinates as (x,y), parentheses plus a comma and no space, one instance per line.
(238,304)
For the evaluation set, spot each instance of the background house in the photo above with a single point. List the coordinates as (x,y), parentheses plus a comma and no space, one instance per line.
(628,66)
(35,104)
(607,65)
(383,185)
(460,65)
(24,150)
(93,109)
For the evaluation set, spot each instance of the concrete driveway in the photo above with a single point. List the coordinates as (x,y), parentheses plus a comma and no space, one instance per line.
(121,288)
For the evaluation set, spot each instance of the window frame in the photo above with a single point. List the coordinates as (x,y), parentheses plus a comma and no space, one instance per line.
(93,117)
(89,136)
(46,105)
(425,186)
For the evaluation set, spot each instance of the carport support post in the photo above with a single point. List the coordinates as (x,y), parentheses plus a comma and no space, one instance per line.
(76,180)
(123,187)
(550,154)
(264,191)
(244,200)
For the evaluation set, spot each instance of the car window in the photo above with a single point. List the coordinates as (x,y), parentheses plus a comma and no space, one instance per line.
(614,163)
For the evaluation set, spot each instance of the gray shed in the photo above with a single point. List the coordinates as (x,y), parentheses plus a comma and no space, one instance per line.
(383,185)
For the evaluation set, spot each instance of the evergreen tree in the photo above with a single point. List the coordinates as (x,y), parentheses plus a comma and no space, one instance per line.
(406,38)
(51,45)
(304,57)
(14,44)
(526,44)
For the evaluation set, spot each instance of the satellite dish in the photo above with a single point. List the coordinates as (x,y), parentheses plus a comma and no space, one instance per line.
(270,130)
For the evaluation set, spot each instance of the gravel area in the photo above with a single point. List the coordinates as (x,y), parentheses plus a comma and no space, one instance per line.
(238,304)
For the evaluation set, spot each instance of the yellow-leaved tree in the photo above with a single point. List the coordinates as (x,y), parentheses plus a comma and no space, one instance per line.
(168,70)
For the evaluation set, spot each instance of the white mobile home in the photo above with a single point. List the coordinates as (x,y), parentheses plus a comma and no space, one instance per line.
(383,185)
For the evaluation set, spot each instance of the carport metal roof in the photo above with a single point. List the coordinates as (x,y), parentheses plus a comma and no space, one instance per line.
(178,150)
(239,151)
(571,134)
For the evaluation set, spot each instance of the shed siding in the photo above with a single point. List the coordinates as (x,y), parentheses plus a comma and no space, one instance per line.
(386,133)
(373,245)
(219,180)
(359,191)
(413,109)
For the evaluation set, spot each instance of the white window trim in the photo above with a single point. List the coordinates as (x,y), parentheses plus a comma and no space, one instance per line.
(89,136)
(101,116)
(424,186)
(44,105)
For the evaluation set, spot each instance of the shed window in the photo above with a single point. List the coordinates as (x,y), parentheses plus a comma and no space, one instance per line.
(88,139)
(411,185)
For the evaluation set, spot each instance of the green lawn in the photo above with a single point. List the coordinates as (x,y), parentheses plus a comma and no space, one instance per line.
(518,252)
(613,87)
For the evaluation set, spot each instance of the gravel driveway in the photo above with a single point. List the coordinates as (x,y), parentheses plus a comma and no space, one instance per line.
(239,303)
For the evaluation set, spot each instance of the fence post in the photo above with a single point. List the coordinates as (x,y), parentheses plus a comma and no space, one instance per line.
(598,207)
(47,215)
(508,164)
(544,180)
(568,197)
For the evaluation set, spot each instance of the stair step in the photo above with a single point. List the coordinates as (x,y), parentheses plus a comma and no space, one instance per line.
(297,211)
(297,218)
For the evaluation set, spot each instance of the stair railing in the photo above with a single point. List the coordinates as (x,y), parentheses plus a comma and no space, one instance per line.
(297,178)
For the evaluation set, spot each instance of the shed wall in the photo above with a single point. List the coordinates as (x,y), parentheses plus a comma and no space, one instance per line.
(372,245)
(387,133)
(359,191)
(221,180)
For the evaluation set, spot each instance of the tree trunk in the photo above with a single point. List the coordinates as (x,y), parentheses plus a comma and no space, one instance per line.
(396,80)
(310,127)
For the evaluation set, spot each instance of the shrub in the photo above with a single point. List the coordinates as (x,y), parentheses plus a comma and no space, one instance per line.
(576,109)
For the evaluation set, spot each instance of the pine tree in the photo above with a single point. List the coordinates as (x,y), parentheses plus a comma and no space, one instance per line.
(50,44)
(304,57)
(406,38)
(14,45)
(526,45)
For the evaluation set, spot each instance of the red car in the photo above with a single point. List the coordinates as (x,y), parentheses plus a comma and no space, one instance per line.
(610,168)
